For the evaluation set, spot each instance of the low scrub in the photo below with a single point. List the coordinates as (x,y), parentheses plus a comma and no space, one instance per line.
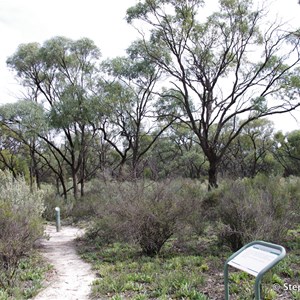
(31,274)
(52,200)
(126,275)
(147,213)
(252,209)
(21,209)
(176,274)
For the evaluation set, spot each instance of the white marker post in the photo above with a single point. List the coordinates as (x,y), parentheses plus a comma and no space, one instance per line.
(57,219)
(256,258)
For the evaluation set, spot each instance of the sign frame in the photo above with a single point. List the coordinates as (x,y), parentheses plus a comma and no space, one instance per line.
(271,254)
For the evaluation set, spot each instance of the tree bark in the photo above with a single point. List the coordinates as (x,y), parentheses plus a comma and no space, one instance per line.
(212,175)
(75,184)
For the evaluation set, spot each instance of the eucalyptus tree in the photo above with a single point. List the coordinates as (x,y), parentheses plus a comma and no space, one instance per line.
(231,65)
(130,92)
(14,155)
(251,152)
(61,75)
(21,123)
(25,124)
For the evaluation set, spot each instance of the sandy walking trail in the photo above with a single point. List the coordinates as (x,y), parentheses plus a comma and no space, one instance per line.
(73,276)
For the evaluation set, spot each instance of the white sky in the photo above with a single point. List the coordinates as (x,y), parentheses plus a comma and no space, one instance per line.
(24,21)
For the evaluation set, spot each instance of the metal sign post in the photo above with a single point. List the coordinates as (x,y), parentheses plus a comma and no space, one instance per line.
(57,219)
(255,258)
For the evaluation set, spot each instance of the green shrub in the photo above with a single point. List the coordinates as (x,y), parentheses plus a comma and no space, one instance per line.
(148,213)
(252,209)
(20,222)
(293,190)
(52,200)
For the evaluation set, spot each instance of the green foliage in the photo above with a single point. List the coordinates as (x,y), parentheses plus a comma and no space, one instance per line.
(61,77)
(28,55)
(252,152)
(147,213)
(17,194)
(288,151)
(177,274)
(20,222)
(123,273)
(259,105)
(191,260)
(254,209)
(205,52)
(30,277)
(15,163)
(28,118)
(176,154)
(53,200)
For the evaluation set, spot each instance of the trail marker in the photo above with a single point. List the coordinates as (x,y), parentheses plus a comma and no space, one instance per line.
(57,218)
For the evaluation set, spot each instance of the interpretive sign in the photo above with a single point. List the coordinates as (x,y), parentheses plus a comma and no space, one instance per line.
(256,259)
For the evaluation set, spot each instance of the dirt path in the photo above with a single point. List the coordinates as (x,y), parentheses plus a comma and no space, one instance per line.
(72,276)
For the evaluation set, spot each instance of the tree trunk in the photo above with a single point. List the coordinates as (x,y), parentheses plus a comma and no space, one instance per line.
(82,186)
(82,174)
(75,184)
(65,193)
(60,179)
(36,171)
(134,171)
(212,175)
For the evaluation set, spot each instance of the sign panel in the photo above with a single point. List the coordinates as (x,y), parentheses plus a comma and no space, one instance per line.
(254,259)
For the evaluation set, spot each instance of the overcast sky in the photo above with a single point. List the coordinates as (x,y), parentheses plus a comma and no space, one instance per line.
(24,21)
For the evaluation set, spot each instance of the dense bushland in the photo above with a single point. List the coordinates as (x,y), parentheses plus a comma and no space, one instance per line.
(179,221)
(149,213)
(259,208)
(191,232)
(21,209)
(158,217)
(144,212)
